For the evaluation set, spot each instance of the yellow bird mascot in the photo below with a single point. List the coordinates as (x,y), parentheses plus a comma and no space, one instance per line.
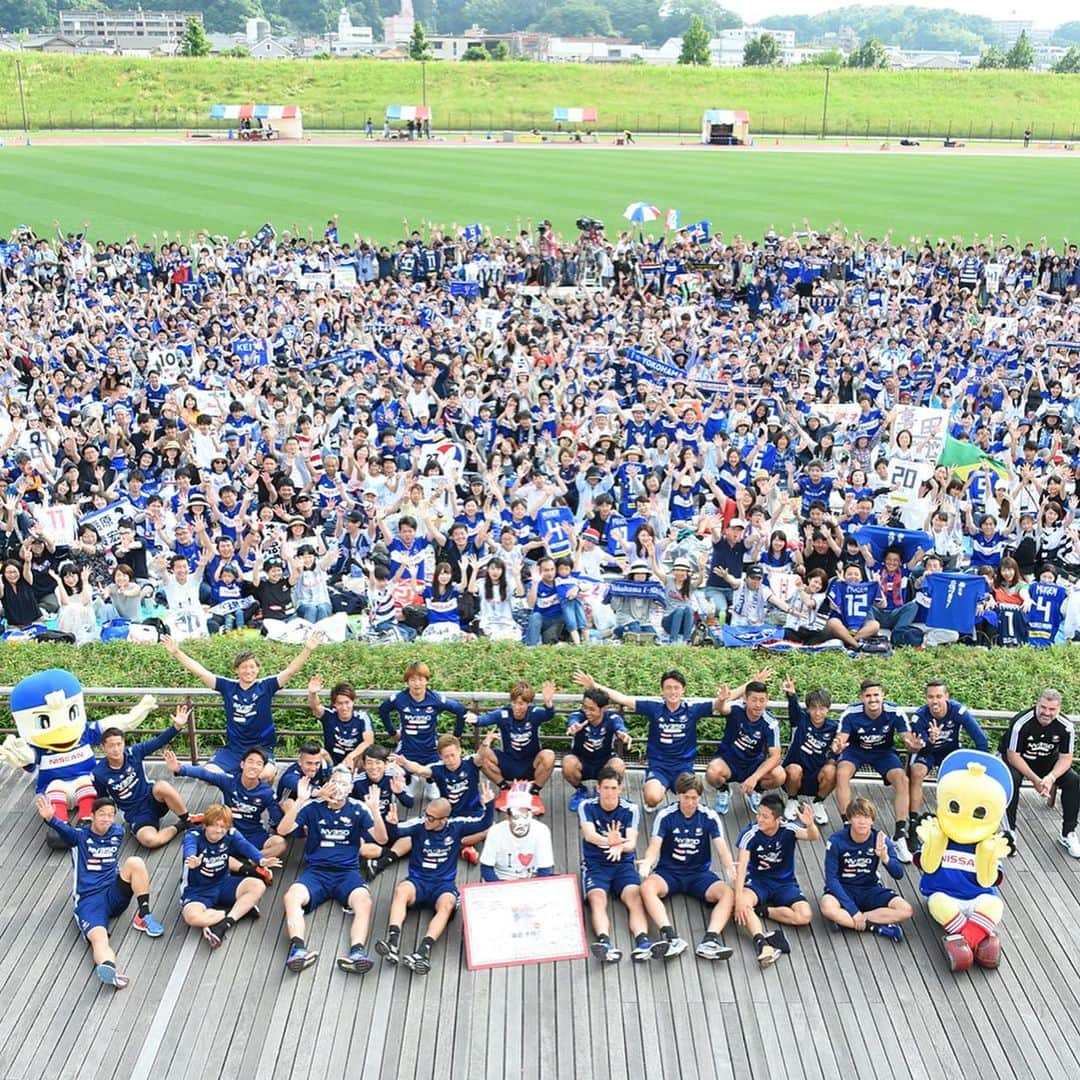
(961,852)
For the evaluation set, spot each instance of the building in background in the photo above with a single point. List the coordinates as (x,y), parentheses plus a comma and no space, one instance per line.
(127,31)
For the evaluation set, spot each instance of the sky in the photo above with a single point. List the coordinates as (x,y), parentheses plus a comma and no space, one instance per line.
(1045,13)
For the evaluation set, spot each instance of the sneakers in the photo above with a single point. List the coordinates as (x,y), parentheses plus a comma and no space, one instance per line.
(675,946)
(431,790)
(903,852)
(1071,843)
(111,977)
(821,815)
(195,819)
(254,913)
(605,952)
(368,869)
(418,963)
(791,809)
(470,854)
(778,941)
(893,933)
(388,950)
(766,954)
(713,950)
(264,875)
(148,925)
(988,952)
(357,962)
(959,952)
(300,958)
(579,796)
(723,801)
(214,940)
(651,809)
(754,801)
(647,949)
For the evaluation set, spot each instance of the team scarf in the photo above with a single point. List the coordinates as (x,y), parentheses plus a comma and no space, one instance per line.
(638,590)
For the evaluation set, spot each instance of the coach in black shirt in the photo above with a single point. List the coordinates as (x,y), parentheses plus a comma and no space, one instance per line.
(1038,747)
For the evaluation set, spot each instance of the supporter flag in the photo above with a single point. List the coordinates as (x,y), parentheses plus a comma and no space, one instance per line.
(671,219)
(472,233)
(964,458)
(700,231)
(954,600)
(879,538)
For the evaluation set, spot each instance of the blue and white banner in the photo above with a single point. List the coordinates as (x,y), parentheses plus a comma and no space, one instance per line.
(638,590)
(106,522)
(472,233)
(665,372)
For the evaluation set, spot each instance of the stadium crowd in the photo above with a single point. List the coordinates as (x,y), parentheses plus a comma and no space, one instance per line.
(712,440)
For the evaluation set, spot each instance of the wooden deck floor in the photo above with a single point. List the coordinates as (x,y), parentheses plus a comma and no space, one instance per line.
(843,1004)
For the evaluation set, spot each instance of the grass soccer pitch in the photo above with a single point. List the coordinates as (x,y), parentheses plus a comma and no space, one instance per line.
(229,188)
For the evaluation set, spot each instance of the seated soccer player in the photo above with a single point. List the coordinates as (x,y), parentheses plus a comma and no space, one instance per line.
(593,730)
(854,896)
(809,767)
(518,725)
(104,885)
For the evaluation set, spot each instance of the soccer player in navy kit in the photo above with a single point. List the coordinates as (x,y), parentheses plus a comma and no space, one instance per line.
(593,730)
(457,779)
(937,726)
(521,756)
(609,832)
(246,795)
(678,860)
(865,737)
(749,751)
(854,896)
(308,773)
(247,699)
(347,731)
(765,882)
(418,710)
(121,776)
(335,825)
(104,885)
(809,768)
(672,744)
(211,896)
(432,877)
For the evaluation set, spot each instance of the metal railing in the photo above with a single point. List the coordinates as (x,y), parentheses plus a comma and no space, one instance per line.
(292,702)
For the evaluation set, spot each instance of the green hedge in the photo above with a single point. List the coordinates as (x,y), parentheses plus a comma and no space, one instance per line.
(982,679)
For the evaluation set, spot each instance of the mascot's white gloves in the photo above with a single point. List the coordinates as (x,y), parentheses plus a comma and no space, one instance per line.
(133,718)
(16,752)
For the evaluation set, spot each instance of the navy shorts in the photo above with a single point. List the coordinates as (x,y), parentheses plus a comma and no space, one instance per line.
(932,759)
(881,761)
(514,766)
(255,837)
(428,893)
(776,894)
(667,772)
(218,894)
(228,760)
(323,885)
(741,767)
(694,883)
(591,766)
(609,877)
(809,783)
(97,909)
(870,897)
(146,813)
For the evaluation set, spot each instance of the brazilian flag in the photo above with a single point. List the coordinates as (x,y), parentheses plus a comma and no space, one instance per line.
(964,458)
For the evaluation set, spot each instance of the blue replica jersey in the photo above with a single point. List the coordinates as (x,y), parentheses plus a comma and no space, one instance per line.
(460,787)
(1047,612)
(954,599)
(127,785)
(956,875)
(247,804)
(957,718)
(343,738)
(853,601)
(418,721)
(853,865)
(334,836)
(521,738)
(811,746)
(686,842)
(872,734)
(748,738)
(215,857)
(595,742)
(95,860)
(772,858)
(249,717)
(672,735)
(626,816)
(434,855)
(290,778)
(363,784)
(67,764)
